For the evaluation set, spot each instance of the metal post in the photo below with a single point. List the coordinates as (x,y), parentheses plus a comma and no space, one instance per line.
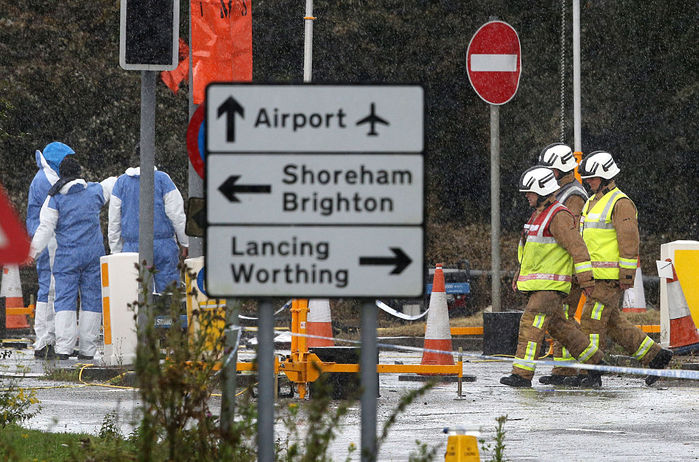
(232,333)
(369,383)
(495,204)
(146,192)
(265,382)
(576,76)
(308,43)
(195,185)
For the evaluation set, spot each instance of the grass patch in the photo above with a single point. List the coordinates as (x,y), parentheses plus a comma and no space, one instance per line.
(20,444)
(63,374)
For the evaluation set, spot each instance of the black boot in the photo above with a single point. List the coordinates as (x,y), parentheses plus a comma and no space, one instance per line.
(661,360)
(515,380)
(573,380)
(553,379)
(593,378)
(45,353)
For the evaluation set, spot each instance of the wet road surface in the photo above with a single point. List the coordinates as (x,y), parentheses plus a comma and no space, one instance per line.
(624,420)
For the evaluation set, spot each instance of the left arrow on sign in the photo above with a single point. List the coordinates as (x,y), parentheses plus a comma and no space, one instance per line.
(229,188)
(231,107)
(400,260)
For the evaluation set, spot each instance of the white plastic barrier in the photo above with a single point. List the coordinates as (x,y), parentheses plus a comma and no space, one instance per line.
(686,263)
(119,289)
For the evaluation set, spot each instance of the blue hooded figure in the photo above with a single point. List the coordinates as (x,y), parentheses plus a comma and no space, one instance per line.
(48,174)
(72,213)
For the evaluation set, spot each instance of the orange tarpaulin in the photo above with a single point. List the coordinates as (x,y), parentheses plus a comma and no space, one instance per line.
(221,43)
(173,78)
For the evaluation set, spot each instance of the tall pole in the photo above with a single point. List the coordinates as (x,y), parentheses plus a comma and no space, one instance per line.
(195,185)
(308,42)
(266,382)
(146,182)
(368,378)
(230,362)
(576,77)
(495,205)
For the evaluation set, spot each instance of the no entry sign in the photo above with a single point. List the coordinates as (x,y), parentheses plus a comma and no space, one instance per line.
(494,62)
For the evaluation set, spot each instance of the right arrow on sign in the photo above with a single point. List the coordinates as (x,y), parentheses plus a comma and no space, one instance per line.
(229,188)
(400,260)
(230,107)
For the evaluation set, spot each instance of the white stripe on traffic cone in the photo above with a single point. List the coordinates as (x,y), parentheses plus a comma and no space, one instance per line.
(635,298)
(683,331)
(11,290)
(319,322)
(438,333)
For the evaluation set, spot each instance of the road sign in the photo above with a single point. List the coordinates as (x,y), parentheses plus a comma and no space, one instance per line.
(14,242)
(315,189)
(195,141)
(314,118)
(315,261)
(494,62)
(149,34)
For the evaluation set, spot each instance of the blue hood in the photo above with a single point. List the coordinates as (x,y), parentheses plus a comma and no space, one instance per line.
(54,153)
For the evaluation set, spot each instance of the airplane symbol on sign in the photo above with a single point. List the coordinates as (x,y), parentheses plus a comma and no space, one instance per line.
(372,119)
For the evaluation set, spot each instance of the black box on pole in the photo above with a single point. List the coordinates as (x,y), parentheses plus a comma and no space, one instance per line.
(500,332)
(149,35)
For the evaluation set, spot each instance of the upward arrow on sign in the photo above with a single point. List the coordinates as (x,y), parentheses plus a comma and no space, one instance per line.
(14,242)
(231,107)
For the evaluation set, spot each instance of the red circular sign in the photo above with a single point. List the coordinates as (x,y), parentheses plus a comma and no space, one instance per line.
(195,140)
(494,62)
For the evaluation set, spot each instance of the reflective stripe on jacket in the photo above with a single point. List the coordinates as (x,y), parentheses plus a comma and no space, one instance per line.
(544,264)
(600,236)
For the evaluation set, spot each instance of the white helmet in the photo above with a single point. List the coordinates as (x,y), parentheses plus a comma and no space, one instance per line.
(558,155)
(598,164)
(539,180)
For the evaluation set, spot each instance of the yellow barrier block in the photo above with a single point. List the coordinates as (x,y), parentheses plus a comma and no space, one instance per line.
(462,448)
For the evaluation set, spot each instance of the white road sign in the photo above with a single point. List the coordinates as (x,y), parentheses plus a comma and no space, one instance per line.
(314,118)
(316,261)
(315,189)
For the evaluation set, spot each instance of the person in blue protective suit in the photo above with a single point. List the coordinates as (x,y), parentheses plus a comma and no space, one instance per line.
(168,223)
(47,176)
(72,212)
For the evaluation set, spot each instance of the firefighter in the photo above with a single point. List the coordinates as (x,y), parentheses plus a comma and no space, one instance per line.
(560,159)
(549,251)
(609,228)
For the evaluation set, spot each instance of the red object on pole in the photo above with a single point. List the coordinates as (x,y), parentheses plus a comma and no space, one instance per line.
(173,78)
(221,43)
(494,62)
(14,242)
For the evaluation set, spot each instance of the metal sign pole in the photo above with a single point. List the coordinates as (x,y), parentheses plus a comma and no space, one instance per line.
(576,76)
(308,43)
(369,383)
(146,193)
(495,204)
(195,185)
(230,358)
(265,381)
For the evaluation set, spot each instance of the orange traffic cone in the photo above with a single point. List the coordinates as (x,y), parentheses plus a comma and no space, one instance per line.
(683,331)
(438,334)
(11,290)
(319,322)
(635,298)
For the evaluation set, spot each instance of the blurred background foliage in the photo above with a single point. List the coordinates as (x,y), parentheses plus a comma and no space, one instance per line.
(60,80)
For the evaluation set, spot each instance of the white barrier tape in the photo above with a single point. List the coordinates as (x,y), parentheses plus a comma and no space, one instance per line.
(398,314)
(252,318)
(671,373)
(227,331)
